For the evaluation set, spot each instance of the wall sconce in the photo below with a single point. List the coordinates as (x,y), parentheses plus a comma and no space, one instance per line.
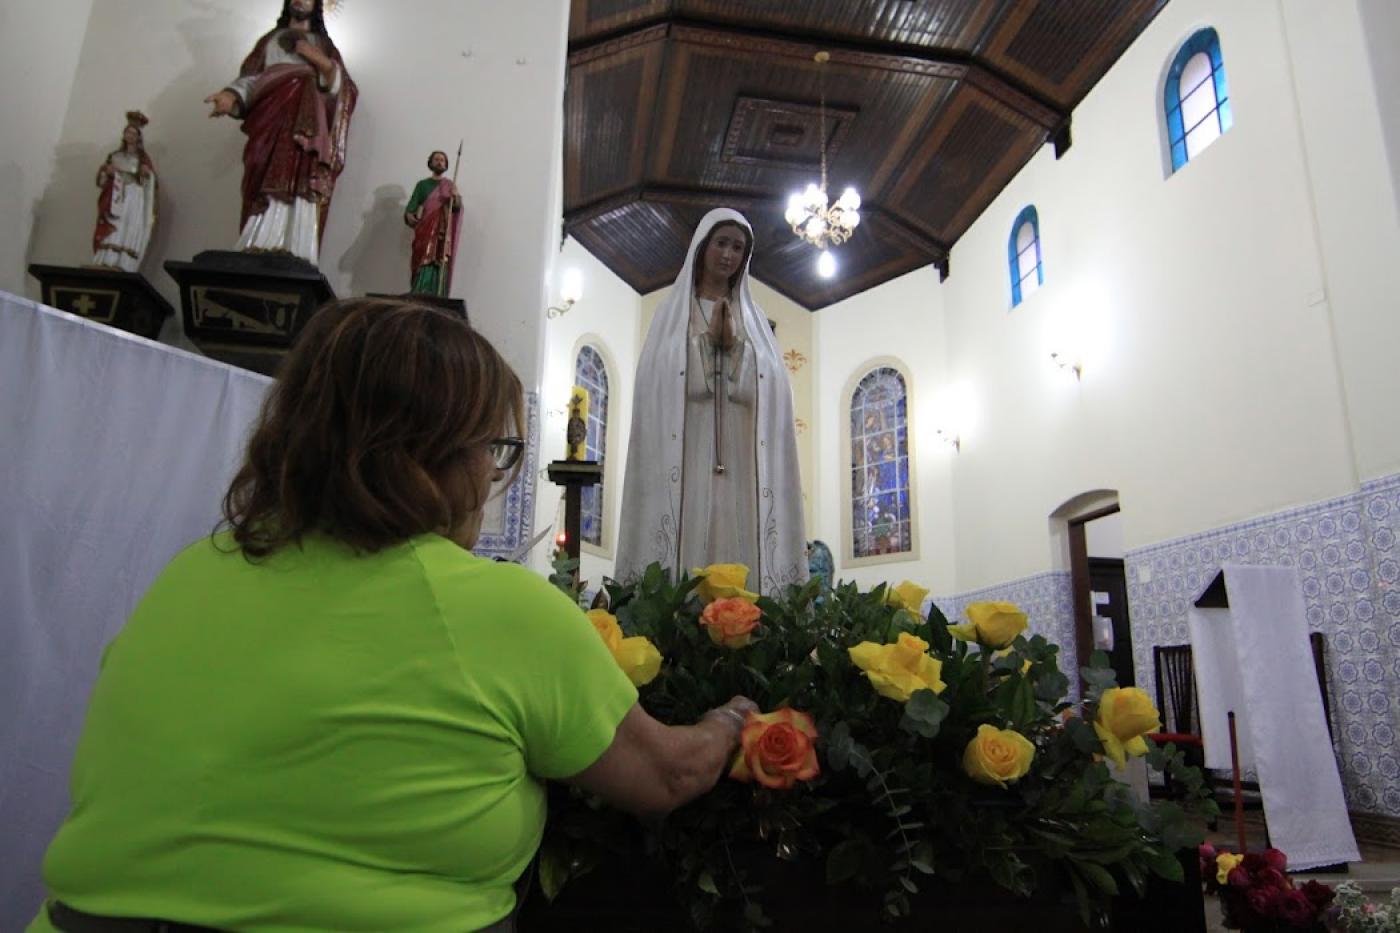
(570,290)
(1064,362)
(949,437)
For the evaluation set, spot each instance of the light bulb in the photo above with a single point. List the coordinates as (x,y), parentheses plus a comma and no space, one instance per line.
(816,228)
(826,264)
(571,289)
(853,219)
(850,200)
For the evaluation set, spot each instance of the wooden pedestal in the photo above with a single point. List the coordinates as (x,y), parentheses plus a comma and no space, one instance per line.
(124,300)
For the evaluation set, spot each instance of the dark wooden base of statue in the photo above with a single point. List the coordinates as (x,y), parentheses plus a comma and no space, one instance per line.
(574,476)
(454,305)
(247,308)
(124,300)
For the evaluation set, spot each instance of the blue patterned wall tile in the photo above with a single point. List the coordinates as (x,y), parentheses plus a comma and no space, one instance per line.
(1349,568)
(1048,601)
(513,519)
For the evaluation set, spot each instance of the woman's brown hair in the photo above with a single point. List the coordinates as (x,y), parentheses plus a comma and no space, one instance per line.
(376,430)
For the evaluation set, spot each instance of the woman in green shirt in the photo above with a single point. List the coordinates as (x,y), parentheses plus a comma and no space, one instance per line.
(330,715)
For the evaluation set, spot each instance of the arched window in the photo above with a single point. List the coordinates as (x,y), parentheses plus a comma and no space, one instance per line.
(881,497)
(1023,255)
(1196,97)
(592,373)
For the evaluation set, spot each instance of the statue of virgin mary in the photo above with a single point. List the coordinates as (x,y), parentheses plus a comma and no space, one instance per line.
(712,473)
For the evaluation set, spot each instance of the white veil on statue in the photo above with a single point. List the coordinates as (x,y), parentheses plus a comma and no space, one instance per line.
(656,480)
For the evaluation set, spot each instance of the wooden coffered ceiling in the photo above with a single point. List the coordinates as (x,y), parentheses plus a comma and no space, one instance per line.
(674,107)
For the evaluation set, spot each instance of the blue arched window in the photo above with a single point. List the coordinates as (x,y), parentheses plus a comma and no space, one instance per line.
(881,502)
(1196,97)
(1023,255)
(592,373)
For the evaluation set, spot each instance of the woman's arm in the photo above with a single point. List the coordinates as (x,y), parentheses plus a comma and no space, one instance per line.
(651,768)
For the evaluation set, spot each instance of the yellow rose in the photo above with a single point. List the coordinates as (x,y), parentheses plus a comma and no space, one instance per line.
(997,756)
(1126,714)
(722,581)
(992,624)
(639,659)
(1225,863)
(605,623)
(899,670)
(637,656)
(907,596)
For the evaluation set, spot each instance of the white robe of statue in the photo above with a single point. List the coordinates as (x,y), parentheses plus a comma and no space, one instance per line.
(285,227)
(677,509)
(133,213)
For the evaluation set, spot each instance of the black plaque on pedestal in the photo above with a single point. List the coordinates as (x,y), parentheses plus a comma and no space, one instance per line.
(455,305)
(247,308)
(124,300)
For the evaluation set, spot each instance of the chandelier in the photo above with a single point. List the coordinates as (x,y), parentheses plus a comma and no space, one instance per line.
(810,215)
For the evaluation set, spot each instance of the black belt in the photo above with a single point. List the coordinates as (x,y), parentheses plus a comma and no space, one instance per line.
(69,920)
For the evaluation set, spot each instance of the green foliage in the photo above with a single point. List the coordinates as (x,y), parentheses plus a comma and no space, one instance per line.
(892,807)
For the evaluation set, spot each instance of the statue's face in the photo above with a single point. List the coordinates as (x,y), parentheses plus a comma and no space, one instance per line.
(725,251)
(302,9)
(437,163)
(131,136)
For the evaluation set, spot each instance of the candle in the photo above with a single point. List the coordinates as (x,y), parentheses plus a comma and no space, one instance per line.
(576,434)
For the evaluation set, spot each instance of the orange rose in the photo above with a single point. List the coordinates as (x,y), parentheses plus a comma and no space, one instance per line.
(776,749)
(731,621)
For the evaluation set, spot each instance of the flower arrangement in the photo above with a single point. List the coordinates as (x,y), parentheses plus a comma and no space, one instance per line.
(894,751)
(1351,912)
(1258,896)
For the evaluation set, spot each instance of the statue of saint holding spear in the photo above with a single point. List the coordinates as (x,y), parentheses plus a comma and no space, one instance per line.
(435,214)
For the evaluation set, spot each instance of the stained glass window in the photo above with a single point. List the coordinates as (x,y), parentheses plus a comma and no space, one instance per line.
(591,373)
(1196,97)
(881,510)
(1023,255)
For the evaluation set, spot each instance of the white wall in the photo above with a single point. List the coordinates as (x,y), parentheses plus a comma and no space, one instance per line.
(1341,103)
(430,73)
(1212,394)
(39,47)
(606,316)
(1381,26)
(901,319)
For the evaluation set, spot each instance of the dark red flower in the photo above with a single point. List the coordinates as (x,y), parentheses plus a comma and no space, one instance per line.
(1276,859)
(1238,877)
(1262,901)
(1294,909)
(1319,894)
(1255,861)
(1271,878)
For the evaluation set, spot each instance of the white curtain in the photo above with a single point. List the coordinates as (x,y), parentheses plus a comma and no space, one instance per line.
(1254,659)
(114,453)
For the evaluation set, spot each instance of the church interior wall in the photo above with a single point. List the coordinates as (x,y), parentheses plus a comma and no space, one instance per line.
(38,76)
(494,79)
(902,319)
(1209,394)
(605,316)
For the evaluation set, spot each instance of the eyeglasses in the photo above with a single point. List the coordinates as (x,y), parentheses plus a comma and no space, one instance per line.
(506,451)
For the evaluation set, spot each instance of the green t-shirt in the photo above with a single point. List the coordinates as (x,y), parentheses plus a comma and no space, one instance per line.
(321,741)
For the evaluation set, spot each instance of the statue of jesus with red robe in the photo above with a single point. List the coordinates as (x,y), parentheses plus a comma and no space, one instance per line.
(295,99)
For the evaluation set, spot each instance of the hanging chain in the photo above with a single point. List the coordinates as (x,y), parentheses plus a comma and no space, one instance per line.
(821,58)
